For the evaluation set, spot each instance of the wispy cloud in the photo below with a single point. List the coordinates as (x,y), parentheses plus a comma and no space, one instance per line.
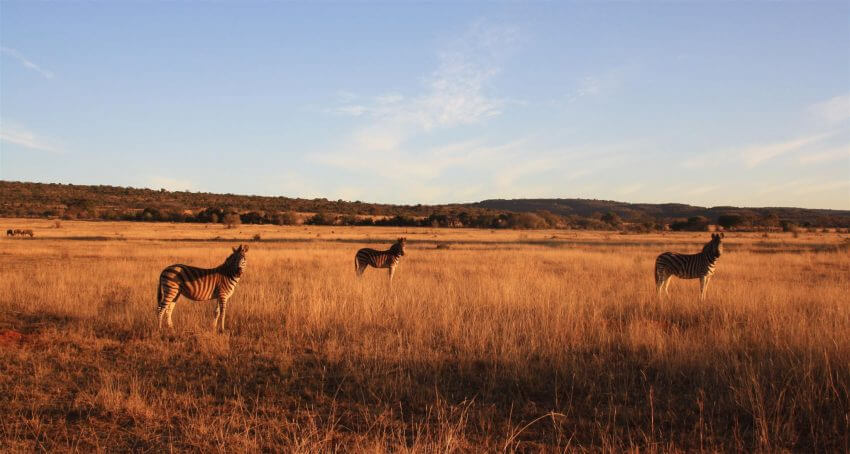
(603,83)
(834,110)
(26,62)
(825,186)
(756,154)
(454,94)
(833,154)
(397,138)
(18,135)
(702,189)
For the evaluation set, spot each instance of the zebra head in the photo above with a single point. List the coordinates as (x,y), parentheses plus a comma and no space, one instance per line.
(237,261)
(714,247)
(398,247)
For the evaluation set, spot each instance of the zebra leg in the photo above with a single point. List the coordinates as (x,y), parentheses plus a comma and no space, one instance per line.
(391,271)
(661,283)
(168,312)
(222,304)
(217,315)
(164,306)
(703,286)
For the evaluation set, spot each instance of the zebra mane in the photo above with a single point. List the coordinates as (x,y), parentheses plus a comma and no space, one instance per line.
(231,263)
(396,248)
(710,248)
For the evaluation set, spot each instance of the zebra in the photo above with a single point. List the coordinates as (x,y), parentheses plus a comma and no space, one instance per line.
(10,232)
(201,284)
(379,259)
(691,266)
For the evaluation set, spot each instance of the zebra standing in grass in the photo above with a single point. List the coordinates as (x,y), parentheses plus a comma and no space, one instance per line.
(691,266)
(379,259)
(201,284)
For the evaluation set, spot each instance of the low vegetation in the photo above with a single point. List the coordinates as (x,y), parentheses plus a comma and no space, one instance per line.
(486,341)
(146,205)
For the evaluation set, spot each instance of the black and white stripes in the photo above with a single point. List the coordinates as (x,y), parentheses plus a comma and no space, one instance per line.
(379,259)
(691,266)
(201,284)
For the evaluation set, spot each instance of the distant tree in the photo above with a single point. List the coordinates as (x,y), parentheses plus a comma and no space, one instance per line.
(769,219)
(788,226)
(321,218)
(253,218)
(552,220)
(286,218)
(612,219)
(693,224)
(731,221)
(231,220)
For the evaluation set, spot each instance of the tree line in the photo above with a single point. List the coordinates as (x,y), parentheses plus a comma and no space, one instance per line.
(130,204)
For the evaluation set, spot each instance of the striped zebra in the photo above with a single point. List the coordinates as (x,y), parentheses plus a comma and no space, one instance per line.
(201,284)
(691,266)
(379,259)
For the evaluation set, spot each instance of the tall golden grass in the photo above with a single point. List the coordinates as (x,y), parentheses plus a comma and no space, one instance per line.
(486,341)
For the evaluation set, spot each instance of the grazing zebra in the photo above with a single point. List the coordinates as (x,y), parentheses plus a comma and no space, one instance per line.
(691,266)
(201,284)
(379,259)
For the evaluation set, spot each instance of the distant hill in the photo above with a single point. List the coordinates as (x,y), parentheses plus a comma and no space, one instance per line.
(587,207)
(22,199)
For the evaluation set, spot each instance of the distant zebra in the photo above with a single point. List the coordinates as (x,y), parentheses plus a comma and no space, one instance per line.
(379,259)
(691,266)
(10,232)
(27,232)
(201,284)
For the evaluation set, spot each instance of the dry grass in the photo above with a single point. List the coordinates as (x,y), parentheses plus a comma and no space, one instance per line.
(503,341)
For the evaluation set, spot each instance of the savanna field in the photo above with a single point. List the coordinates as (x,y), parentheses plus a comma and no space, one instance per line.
(486,341)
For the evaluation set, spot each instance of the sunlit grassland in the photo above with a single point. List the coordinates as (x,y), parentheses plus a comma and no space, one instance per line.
(486,340)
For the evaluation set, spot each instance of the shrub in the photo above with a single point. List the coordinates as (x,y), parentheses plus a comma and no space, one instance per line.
(231,220)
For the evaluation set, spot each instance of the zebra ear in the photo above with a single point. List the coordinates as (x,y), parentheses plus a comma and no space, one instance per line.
(244,248)
(235,248)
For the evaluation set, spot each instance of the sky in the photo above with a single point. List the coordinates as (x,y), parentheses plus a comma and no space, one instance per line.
(705,103)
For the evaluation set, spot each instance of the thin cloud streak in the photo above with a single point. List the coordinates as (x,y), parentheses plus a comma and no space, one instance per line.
(834,154)
(454,93)
(26,62)
(754,155)
(23,137)
(834,110)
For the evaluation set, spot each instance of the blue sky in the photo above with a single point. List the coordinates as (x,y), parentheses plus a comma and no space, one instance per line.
(714,103)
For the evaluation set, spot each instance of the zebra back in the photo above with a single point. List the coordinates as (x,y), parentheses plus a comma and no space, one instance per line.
(690,266)
(380,259)
(201,284)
